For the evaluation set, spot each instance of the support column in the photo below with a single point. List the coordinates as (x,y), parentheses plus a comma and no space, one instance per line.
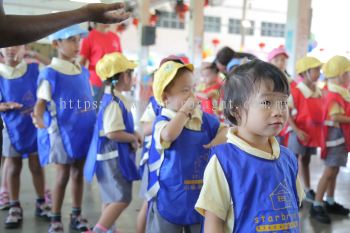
(196,31)
(297,30)
(144,6)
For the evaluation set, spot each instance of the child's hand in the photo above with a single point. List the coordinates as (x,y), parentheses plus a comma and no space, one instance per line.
(134,146)
(302,135)
(139,138)
(190,104)
(9,106)
(38,121)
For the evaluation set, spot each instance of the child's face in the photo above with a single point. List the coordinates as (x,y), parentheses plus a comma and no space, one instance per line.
(314,74)
(280,61)
(208,76)
(179,91)
(266,113)
(128,80)
(13,55)
(68,49)
(345,79)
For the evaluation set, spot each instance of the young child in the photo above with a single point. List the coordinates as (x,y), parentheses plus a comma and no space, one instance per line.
(178,154)
(65,118)
(306,104)
(251,182)
(17,92)
(210,95)
(279,58)
(337,137)
(112,151)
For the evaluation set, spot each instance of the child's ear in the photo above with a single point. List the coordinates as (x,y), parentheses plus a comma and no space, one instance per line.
(164,97)
(55,44)
(235,114)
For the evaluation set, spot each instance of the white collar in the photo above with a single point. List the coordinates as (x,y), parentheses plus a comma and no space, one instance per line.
(65,67)
(10,72)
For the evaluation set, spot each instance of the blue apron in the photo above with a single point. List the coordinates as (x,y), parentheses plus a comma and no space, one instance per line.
(101,144)
(179,176)
(21,131)
(75,113)
(263,192)
(147,140)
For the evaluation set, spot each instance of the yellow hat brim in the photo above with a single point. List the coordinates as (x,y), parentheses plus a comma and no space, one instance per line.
(164,75)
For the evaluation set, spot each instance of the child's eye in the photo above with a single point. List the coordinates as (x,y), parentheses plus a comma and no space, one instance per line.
(266,103)
(283,104)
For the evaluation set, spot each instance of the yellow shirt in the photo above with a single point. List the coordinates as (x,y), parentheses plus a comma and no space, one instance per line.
(148,115)
(215,194)
(335,108)
(113,116)
(9,72)
(195,123)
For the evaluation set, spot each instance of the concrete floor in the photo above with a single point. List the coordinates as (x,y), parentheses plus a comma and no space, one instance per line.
(127,221)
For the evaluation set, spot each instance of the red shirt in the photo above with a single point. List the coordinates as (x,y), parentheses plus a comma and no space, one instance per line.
(95,46)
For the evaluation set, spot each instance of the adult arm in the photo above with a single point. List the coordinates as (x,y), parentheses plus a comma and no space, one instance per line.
(22,29)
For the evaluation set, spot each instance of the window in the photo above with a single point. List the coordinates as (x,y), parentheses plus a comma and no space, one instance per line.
(234,27)
(169,20)
(272,29)
(212,24)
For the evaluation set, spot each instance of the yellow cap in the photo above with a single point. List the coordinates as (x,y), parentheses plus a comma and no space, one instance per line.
(113,63)
(336,66)
(164,75)
(306,63)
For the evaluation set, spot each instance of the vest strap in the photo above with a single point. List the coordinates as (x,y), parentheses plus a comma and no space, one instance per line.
(336,142)
(331,123)
(107,156)
(152,192)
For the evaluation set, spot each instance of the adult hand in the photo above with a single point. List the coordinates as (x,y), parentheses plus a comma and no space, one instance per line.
(106,13)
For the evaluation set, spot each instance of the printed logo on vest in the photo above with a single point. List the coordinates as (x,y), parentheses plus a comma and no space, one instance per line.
(281,197)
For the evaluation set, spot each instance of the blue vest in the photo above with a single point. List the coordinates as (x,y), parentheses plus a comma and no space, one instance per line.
(176,178)
(263,192)
(146,144)
(101,144)
(18,123)
(75,113)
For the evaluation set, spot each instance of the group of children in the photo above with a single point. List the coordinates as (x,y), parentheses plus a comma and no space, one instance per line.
(319,118)
(197,174)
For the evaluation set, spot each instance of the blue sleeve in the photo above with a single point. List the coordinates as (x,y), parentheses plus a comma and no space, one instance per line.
(212,123)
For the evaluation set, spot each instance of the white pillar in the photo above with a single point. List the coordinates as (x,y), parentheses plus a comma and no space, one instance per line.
(196,31)
(144,6)
(297,30)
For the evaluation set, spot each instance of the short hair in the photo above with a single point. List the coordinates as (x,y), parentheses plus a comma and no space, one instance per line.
(242,81)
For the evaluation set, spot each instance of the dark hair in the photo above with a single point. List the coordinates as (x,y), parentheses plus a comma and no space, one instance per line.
(242,83)
(212,67)
(225,55)
(108,81)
